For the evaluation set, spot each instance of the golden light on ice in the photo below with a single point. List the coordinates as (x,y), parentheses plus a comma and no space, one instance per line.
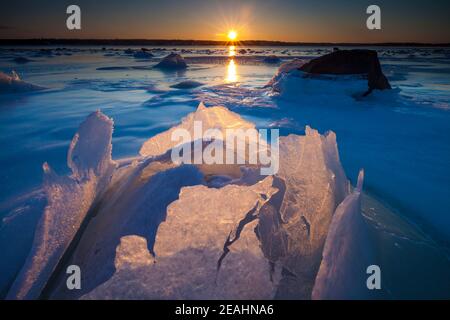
(231,51)
(232,35)
(231,72)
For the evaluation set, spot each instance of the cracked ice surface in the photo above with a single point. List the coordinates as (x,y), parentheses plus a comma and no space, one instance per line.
(68,200)
(315,185)
(189,244)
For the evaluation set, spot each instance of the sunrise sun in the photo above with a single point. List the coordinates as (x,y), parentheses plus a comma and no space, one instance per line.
(232,35)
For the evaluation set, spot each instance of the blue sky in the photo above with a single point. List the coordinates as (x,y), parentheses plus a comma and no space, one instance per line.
(285,20)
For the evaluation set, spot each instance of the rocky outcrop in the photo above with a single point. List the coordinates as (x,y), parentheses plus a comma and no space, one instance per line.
(172,62)
(356,61)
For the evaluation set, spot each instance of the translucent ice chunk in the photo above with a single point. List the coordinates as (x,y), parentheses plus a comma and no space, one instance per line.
(347,253)
(68,201)
(206,248)
(315,184)
(211,118)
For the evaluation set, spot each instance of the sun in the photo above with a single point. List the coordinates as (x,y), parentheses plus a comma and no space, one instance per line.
(232,35)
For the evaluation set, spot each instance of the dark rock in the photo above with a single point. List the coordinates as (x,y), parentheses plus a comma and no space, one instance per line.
(188,84)
(142,55)
(46,52)
(271,59)
(172,62)
(356,61)
(21,60)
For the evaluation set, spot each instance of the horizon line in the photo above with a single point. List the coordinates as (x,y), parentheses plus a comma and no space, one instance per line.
(82,41)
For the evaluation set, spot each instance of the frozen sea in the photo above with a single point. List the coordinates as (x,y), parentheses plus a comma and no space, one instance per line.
(400,137)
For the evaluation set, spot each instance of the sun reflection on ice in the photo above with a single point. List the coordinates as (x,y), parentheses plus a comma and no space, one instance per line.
(231,75)
(231,51)
(231,71)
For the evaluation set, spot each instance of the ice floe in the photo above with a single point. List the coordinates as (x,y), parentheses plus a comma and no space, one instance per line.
(13,84)
(172,62)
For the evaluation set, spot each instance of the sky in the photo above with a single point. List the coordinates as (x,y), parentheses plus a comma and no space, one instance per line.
(282,20)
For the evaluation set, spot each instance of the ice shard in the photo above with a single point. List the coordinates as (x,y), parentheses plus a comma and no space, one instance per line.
(315,184)
(217,117)
(347,253)
(68,201)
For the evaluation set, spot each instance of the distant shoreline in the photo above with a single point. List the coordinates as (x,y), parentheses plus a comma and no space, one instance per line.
(175,42)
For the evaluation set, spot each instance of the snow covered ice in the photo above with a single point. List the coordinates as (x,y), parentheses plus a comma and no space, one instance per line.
(284,232)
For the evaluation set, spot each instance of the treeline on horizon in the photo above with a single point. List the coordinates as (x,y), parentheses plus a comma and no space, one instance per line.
(175,42)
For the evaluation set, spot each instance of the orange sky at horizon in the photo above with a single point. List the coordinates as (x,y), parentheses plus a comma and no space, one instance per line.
(273,20)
